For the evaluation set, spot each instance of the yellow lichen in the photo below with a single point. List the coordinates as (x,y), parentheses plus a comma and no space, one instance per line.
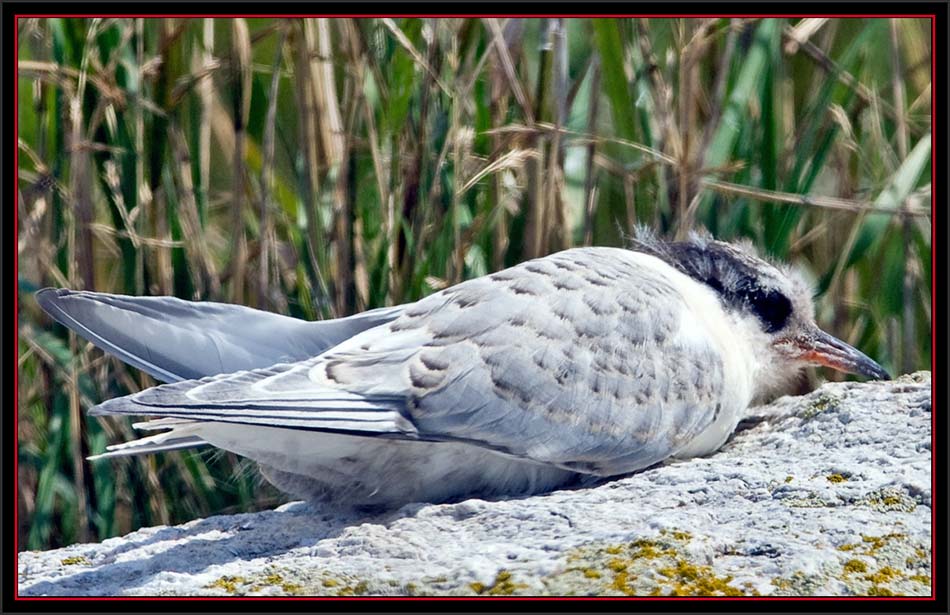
(836,478)
(889,499)
(666,571)
(75,560)
(273,579)
(879,591)
(818,406)
(920,578)
(649,549)
(854,565)
(698,580)
(354,590)
(781,583)
(876,542)
(330,582)
(504,585)
(882,575)
(228,583)
(620,583)
(788,479)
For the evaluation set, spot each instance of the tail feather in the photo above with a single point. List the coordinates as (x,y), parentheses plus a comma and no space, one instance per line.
(180,436)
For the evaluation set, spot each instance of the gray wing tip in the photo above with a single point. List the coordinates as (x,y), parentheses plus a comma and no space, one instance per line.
(48,297)
(133,404)
(110,407)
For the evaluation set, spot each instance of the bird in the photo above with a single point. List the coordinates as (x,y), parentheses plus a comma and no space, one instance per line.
(584,365)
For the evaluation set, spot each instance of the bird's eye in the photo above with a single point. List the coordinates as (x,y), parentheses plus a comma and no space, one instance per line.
(772,307)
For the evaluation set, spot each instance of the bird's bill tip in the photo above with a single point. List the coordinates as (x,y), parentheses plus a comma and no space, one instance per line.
(827,350)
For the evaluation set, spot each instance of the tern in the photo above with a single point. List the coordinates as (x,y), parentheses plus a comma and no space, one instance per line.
(587,363)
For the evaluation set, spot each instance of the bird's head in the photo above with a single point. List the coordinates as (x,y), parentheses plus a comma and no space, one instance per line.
(773,300)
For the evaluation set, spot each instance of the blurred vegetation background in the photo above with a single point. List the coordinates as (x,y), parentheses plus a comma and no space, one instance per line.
(319,167)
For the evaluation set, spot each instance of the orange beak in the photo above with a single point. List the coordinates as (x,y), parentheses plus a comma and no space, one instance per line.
(820,348)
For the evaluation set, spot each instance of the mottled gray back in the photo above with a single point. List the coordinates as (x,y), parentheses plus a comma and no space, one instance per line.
(576,353)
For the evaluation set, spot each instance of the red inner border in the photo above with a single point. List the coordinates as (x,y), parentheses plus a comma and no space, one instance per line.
(933,281)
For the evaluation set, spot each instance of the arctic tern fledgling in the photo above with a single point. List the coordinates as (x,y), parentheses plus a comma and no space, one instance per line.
(588,362)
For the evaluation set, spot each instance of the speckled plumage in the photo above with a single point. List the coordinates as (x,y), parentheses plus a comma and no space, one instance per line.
(578,371)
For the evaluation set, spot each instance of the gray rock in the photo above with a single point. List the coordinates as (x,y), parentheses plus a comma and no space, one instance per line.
(824,494)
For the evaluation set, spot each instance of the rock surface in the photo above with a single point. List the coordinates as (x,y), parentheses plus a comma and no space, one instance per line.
(825,494)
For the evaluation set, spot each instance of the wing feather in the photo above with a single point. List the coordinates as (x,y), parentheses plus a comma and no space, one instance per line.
(279,396)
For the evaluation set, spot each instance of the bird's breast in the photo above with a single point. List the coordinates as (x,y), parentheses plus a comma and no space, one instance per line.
(706,329)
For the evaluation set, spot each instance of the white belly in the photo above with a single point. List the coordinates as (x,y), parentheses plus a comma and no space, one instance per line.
(358,471)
